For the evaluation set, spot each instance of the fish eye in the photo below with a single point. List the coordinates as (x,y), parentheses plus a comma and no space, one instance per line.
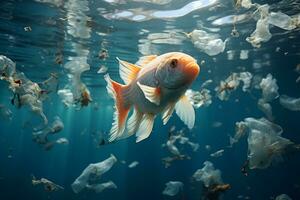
(173,63)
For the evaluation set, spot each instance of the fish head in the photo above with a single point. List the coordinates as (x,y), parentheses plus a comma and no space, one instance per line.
(177,70)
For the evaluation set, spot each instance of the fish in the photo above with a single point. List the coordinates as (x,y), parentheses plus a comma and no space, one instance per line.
(154,85)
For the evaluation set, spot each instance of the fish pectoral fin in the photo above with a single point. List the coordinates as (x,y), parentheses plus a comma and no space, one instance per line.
(128,71)
(145,127)
(167,113)
(134,122)
(185,111)
(144,60)
(151,93)
(121,113)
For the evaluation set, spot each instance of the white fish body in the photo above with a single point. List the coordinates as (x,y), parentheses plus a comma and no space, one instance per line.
(156,84)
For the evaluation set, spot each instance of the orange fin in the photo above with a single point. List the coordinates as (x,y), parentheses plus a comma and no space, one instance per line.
(121,112)
(128,71)
(145,60)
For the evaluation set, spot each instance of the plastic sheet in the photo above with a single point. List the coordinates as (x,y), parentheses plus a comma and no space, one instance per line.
(265,143)
(226,87)
(198,99)
(5,113)
(133,164)
(208,175)
(282,20)
(283,197)
(93,171)
(217,154)
(41,137)
(101,186)
(173,188)
(7,67)
(262,32)
(269,88)
(290,103)
(207,42)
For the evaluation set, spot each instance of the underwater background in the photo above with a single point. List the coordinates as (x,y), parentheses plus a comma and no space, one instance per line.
(57,27)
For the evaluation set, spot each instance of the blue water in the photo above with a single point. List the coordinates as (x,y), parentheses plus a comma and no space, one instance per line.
(35,51)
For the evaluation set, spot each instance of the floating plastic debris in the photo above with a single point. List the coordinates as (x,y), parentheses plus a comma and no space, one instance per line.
(269,89)
(62,141)
(266,108)
(5,113)
(172,147)
(102,70)
(264,148)
(93,171)
(7,67)
(49,186)
(246,78)
(226,87)
(25,92)
(51,84)
(67,96)
(208,147)
(27,29)
(101,186)
(41,137)
(240,131)
(290,102)
(133,164)
(230,54)
(103,54)
(281,20)
(208,175)
(76,92)
(283,197)
(218,153)
(244,54)
(217,124)
(246,4)
(265,143)
(173,188)
(209,43)
(262,32)
(206,83)
(198,99)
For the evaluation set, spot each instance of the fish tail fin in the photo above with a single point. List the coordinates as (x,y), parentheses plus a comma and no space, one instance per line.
(121,110)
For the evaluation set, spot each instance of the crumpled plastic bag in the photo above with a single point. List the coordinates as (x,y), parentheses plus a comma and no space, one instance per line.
(94,171)
(208,175)
(207,42)
(290,103)
(173,188)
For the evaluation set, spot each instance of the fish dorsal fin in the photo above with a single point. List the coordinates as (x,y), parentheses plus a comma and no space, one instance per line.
(128,71)
(145,127)
(167,113)
(151,93)
(185,111)
(145,60)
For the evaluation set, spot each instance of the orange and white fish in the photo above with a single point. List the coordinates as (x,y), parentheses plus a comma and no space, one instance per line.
(154,85)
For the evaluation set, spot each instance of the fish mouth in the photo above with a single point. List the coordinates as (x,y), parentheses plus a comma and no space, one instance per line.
(192,70)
